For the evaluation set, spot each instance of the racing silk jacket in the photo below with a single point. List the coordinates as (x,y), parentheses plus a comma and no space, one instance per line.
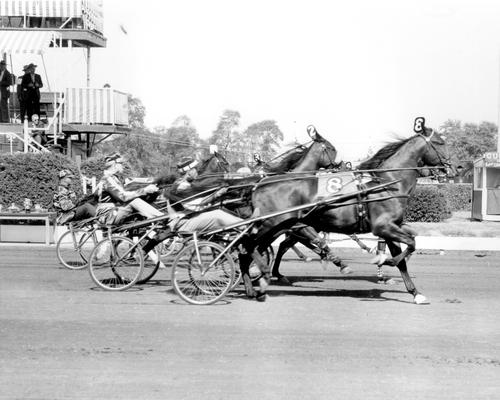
(64,199)
(111,190)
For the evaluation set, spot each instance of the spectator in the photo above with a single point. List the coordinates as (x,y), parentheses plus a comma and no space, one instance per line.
(5,83)
(38,133)
(31,84)
(20,97)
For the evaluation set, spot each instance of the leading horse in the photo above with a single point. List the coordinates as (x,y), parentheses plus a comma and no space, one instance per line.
(380,211)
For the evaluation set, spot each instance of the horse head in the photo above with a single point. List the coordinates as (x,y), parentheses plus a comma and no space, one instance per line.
(216,163)
(321,153)
(436,153)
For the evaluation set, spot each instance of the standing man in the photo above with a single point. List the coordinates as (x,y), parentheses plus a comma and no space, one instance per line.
(31,85)
(5,82)
(20,98)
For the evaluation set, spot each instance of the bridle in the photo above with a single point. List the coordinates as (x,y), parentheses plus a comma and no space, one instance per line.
(428,140)
(332,163)
(223,164)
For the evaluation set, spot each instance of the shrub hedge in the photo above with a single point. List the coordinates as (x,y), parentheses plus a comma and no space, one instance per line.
(434,203)
(34,176)
(93,167)
(427,204)
(458,196)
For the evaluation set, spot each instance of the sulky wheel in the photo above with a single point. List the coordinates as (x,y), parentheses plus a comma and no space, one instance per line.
(74,247)
(200,280)
(150,269)
(115,264)
(164,251)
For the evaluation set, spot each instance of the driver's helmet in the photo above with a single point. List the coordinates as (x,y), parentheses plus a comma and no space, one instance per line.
(112,159)
(66,173)
(186,163)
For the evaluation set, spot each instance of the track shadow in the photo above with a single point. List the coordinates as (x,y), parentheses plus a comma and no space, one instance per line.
(363,295)
(134,288)
(180,302)
(366,278)
(156,283)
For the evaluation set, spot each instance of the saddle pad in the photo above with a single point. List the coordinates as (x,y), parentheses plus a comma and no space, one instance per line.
(338,183)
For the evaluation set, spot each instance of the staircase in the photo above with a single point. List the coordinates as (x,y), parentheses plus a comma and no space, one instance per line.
(19,137)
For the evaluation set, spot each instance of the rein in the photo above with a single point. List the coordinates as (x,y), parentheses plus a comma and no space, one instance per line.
(429,143)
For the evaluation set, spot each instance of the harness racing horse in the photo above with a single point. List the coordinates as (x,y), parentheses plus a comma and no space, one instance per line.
(379,211)
(308,237)
(320,154)
(303,233)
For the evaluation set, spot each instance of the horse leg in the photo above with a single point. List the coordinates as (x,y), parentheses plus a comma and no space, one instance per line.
(395,233)
(265,278)
(245,261)
(381,278)
(360,243)
(418,298)
(288,242)
(402,234)
(315,242)
(301,255)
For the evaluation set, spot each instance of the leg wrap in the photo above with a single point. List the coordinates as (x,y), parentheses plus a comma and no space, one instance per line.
(160,237)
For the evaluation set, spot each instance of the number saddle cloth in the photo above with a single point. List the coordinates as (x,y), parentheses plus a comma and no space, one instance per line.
(332,184)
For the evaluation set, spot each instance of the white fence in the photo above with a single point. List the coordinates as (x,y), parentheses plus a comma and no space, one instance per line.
(96,106)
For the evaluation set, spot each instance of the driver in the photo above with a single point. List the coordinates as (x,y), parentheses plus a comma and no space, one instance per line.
(112,193)
(186,166)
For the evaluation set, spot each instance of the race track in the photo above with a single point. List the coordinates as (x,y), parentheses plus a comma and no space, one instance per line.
(327,337)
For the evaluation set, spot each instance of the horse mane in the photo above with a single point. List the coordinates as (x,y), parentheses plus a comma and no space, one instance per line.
(282,162)
(383,154)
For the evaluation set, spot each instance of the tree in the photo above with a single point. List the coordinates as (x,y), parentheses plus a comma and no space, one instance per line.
(142,149)
(157,151)
(469,141)
(227,136)
(136,112)
(180,140)
(264,138)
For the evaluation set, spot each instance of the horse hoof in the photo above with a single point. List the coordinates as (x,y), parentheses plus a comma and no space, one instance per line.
(420,299)
(346,270)
(261,297)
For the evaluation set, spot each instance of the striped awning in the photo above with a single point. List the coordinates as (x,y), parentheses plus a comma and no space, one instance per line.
(43,8)
(34,42)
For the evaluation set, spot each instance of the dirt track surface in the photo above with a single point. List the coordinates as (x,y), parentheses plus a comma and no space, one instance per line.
(327,337)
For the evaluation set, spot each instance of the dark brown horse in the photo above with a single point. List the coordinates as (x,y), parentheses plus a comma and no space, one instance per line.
(380,212)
